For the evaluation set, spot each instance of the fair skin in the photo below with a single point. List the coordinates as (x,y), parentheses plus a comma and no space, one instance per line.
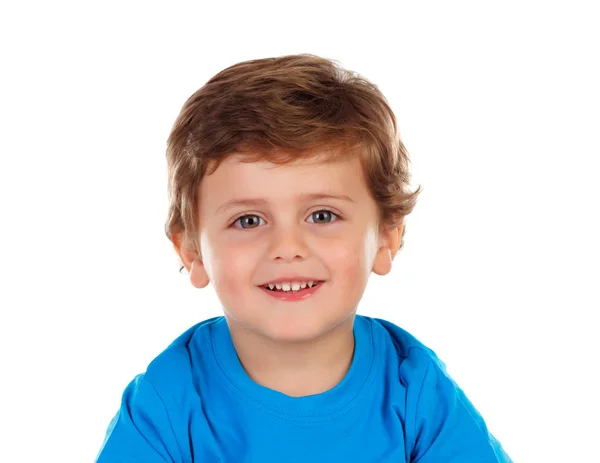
(303,347)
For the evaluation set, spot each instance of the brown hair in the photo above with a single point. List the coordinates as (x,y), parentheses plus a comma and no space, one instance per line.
(281,109)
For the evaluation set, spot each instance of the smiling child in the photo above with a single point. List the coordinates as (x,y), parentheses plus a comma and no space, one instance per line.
(288,187)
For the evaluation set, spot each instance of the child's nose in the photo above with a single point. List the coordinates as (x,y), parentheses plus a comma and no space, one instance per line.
(288,244)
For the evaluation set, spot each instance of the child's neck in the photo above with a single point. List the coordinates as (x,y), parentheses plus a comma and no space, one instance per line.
(296,369)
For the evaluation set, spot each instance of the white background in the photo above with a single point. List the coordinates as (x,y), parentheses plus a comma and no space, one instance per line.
(497,103)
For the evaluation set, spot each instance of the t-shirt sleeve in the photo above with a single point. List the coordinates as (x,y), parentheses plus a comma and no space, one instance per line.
(442,423)
(141,430)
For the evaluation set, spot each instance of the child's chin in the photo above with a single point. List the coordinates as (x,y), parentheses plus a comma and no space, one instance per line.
(288,326)
(290,330)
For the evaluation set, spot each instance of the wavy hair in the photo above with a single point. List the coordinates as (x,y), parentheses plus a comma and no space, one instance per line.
(281,109)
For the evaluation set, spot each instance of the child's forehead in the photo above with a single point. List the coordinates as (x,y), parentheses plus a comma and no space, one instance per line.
(236,174)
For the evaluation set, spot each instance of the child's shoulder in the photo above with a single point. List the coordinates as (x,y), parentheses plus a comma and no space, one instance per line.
(402,339)
(175,363)
(414,357)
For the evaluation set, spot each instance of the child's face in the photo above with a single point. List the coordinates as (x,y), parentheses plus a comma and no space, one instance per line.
(285,236)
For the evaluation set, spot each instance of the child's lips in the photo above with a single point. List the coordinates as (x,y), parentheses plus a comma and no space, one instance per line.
(293,295)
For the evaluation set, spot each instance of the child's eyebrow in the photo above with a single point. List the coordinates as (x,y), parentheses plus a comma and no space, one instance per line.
(260,201)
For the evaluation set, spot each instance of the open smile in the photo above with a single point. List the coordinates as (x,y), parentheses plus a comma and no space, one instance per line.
(292,295)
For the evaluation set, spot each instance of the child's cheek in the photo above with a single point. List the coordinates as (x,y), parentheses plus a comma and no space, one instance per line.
(235,267)
(348,264)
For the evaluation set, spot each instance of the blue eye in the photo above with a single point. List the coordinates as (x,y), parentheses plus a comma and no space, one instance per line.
(250,220)
(324,214)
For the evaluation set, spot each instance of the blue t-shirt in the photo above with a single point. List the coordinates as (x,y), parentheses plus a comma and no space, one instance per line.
(196,403)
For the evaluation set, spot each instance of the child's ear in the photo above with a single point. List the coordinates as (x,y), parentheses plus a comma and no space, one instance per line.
(389,243)
(191,261)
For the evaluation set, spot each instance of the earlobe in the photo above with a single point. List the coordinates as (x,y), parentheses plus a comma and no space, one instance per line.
(383,261)
(192,263)
(387,251)
(198,275)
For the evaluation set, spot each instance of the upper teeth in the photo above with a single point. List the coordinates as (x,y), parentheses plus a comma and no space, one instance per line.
(292,285)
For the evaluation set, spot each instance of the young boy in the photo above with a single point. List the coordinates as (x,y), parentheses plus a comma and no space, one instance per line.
(288,186)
